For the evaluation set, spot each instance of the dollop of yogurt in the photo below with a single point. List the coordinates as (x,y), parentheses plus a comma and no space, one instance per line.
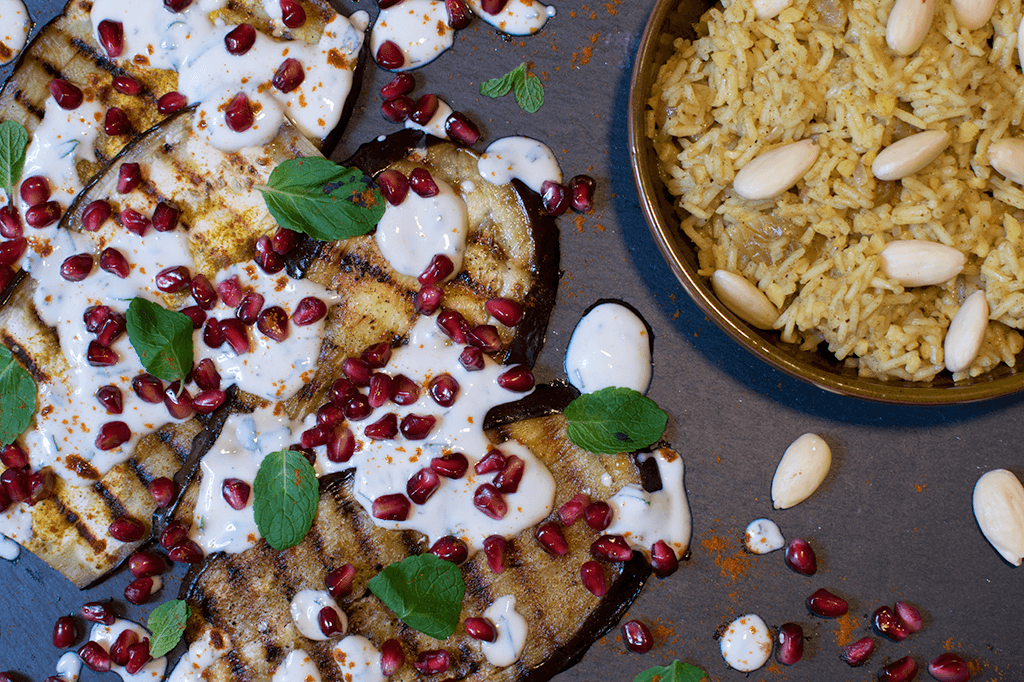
(746,643)
(763,536)
(643,518)
(522,158)
(297,666)
(411,234)
(419,28)
(358,659)
(305,609)
(16,26)
(611,346)
(512,629)
(518,17)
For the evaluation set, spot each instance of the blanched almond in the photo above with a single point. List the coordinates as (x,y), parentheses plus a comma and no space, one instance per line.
(744,299)
(999,509)
(909,155)
(973,14)
(801,470)
(772,173)
(920,263)
(966,332)
(908,25)
(1007,157)
(768,9)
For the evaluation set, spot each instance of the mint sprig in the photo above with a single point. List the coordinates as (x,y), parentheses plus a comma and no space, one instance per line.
(167,625)
(322,199)
(528,89)
(673,672)
(13,142)
(614,420)
(17,398)
(424,591)
(285,499)
(161,338)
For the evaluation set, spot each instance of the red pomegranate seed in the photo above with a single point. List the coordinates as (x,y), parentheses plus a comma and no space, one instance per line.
(485,337)
(598,515)
(196,314)
(450,549)
(6,275)
(76,268)
(127,529)
(401,84)
(95,317)
(16,484)
(380,389)
(329,622)
(162,489)
(292,14)
(389,55)
(116,122)
(357,407)
(664,561)
(330,414)
(493,6)
(505,310)
(900,670)
(95,214)
(165,217)
(231,291)
(119,651)
(111,399)
(454,325)
(427,299)
(496,551)
(888,624)
(111,329)
(269,260)
(572,510)
(459,15)
(508,479)
(114,262)
(43,215)
(384,428)
(65,94)
(452,465)
(10,223)
(393,185)
(113,434)
(461,130)
(493,461)
(41,486)
(394,507)
(126,85)
(800,557)
(134,222)
(174,535)
(212,334)
(404,390)
(178,401)
(422,485)
(98,612)
(289,75)
(791,644)
(481,629)
(433,662)
(5,499)
(377,355)
(65,633)
(440,269)
(398,109)
(139,591)
(34,190)
(611,547)
(555,197)
(593,578)
(95,657)
(910,616)
(138,657)
(206,402)
(99,355)
(112,37)
(177,5)
(240,40)
(339,581)
(426,107)
(391,657)
(236,334)
(273,322)
(315,436)
(148,388)
(146,564)
(13,456)
(284,241)
(827,605)
(308,311)
(444,389)
(550,537)
(129,176)
(384,4)
(519,379)
(637,637)
(171,102)
(236,493)
(417,426)
(249,309)
(188,552)
(581,193)
(421,182)
(11,251)
(857,653)
(357,371)
(203,292)
(341,445)
(949,667)
(490,501)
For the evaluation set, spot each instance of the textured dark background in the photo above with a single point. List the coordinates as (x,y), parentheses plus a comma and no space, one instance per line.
(892,521)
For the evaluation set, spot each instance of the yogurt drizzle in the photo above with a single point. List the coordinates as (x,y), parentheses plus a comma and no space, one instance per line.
(106,635)
(610,347)
(523,158)
(16,26)
(512,629)
(643,518)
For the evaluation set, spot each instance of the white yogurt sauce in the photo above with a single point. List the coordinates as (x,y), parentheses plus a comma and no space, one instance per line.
(16,527)
(69,667)
(746,643)
(358,659)
(411,234)
(305,609)
(523,158)
(201,655)
(9,549)
(609,347)
(435,126)
(419,28)
(763,536)
(518,18)
(643,518)
(106,635)
(296,667)
(512,632)
(16,25)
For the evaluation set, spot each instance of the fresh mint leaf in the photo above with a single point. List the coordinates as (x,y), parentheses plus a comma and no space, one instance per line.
(322,199)
(167,625)
(286,494)
(13,142)
(499,87)
(614,420)
(424,591)
(17,398)
(673,672)
(530,93)
(162,339)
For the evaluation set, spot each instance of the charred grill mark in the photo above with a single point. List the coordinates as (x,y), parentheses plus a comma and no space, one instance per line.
(98,59)
(81,467)
(236,666)
(114,505)
(97,545)
(356,263)
(135,466)
(25,359)
(31,107)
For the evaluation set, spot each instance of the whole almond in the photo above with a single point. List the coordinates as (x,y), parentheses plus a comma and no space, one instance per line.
(920,263)
(772,173)
(966,332)
(801,470)
(973,14)
(768,9)
(999,509)
(1007,157)
(909,155)
(908,25)
(744,299)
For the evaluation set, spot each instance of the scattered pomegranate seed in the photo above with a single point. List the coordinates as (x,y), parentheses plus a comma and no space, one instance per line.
(76,268)
(394,507)
(134,222)
(459,15)
(377,355)
(380,389)
(493,6)
(593,578)
(664,561)
(11,251)
(115,122)
(269,260)
(43,215)
(308,311)
(800,557)
(493,461)
(95,657)
(422,485)
(148,388)
(384,428)
(508,479)
(572,510)
(598,515)
(827,605)
(119,651)
(34,190)
(391,657)
(241,39)
(95,214)
(98,612)
(6,276)
(401,84)
(212,334)
(398,109)
(490,501)
(422,183)
(10,223)
(292,14)
(461,130)
(126,85)
(231,291)
(65,633)
(454,325)
(129,176)
(550,537)
(112,37)
(111,399)
(273,322)
(289,75)
(13,456)
(146,564)
(505,310)
(178,401)
(65,94)
(440,269)
(426,107)
(339,581)
(444,389)
(112,435)
(555,197)
(857,653)
(417,426)
(519,379)
(174,535)
(140,590)
(389,55)
(284,241)
(581,193)
(450,549)
(949,667)
(330,622)
(910,616)
(485,337)
(481,629)
(171,102)
(888,624)
(236,334)
(341,390)
(236,493)
(126,529)
(496,551)
(427,300)
(357,371)
(315,436)
(111,329)
(791,644)
(41,486)
(433,662)
(452,465)
(207,401)
(901,670)
(162,489)
(177,5)
(138,657)
(358,408)
(187,552)
(404,390)
(341,445)
(611,547)
(114,262)
(239,115)
(637,637)
(393,185)
(16,484)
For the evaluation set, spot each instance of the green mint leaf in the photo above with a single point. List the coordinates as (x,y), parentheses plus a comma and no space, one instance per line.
(17,398)
(530,94)
(614,420)
(497,87)
(673,672)
(13,142)
(286,496)
(162,339)
(322,199)
(424,591)
(167,625)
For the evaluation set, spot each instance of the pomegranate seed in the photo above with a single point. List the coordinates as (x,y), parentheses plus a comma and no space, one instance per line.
(98,612)
(177,5)
(384,4)
(111,329)
(112,37)
(95,214)
(330,414)
(308,311)
(116,122)
(550,537)
(389,56)
(404,390)
(43,215)
(519,379)
(249,310)
(284,241)
(292,14)
(10,223)
(581,193)
(394,507)
(315,436)
(398,109)
(949,667)
(490,501)
(910,616)
(481,629)
(420,180)
(203,292)
(493,461)
(138,657)
(461,130)
(593,578)
(65,633)
(5,499)
(791,644)
(899,671)
(493,6)
(95,657)
(187,552)
(140,590)
(889,624)
(174,535)
(126,529)
(496,551)
(380,389)
(401,84)
(393,185)
(41,485)
(148,388)
(13,456)
(450,549)
(572,510)
(427,299)
(236,334)
(119,651)
(417,426)
(459,15)
(827,605)
(433,662)
(240,40)
(508,479)
(134,222)
(377,355)
(800,557)
(6,276)
(637,636)
(391,657)
(485,337)
(126,85)
(341,445)
(110,397)
(384,428)
(422,485)
(212,334)
(165,217)
(273,322)
(289,75)
(857,653)
(357,407)
(444,389)
(146,564)
(598,515)
(35,190)
(16,484)
(440,269)
(664,561)
(178,401)
(11,251)
(208,401)
(426,107)
(339,581)
(76,268)
(65,94)
(162,489)
(505,310)
(357,371)
(236,493)
(454,325)
(114,262)
(611,547)
(129,176)
(196,314)
(554,197)
(269,260)
(112,434)
(231,291)
(171,102)
(452,465)
(330,622)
